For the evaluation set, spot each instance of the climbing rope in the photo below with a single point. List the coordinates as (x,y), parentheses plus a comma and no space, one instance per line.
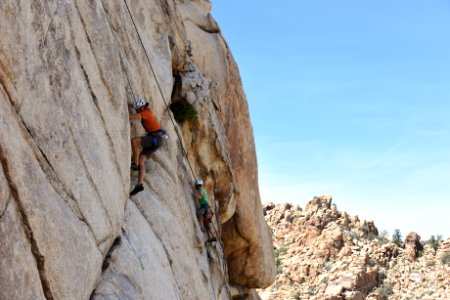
(160,89)
(163,98)
(224,266)
(172,120)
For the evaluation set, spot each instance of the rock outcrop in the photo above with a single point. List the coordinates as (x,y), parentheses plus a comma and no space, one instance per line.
(323,253)
(412,245)
(68,71)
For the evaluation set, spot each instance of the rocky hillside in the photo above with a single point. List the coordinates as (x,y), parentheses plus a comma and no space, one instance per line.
(323,253)
(69,70)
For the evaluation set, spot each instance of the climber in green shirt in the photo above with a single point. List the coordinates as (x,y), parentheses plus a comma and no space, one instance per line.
(204,213)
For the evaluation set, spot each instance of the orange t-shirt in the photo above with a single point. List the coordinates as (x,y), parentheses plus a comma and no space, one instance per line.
(149,121)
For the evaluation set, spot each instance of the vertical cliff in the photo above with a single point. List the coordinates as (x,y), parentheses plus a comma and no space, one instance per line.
(68,230)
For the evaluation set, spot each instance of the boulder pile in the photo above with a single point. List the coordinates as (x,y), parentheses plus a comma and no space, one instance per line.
(323,253)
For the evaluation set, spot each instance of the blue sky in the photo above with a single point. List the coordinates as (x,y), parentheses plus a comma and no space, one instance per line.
(351,99)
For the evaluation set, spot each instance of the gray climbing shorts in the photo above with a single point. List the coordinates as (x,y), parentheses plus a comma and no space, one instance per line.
(203,210)
(150,144)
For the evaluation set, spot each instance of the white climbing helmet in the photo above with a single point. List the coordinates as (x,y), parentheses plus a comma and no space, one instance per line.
(138,103)
(199,182)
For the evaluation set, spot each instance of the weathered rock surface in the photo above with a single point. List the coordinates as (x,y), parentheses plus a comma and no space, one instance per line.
(244,230)
(323,253)
(412,246)
(68,230)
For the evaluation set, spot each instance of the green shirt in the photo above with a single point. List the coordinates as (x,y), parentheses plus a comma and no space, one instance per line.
(204,199)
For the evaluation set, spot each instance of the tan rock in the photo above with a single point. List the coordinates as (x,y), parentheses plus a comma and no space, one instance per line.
(348,282)
(323,202)
(354,295)
(412,245)
(331,239)
(153,279)
(45,215)
(376,297)
(5,194)
(19,278)
(334,289)
(345,251)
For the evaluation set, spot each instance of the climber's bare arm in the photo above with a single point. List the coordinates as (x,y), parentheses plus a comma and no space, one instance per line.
(134,117)
(196,194)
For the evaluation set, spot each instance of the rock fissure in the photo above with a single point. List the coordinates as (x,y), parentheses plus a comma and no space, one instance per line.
(117,242)
(95,101)
(90,179)
(110,140)
(88,38)
(39,258)
(3,84)
(125,234)
(6,207)
(67,196)
(58,186)
(204,28)
(47,167)
(44,40)
(91,90)
(113,33)
(169,259)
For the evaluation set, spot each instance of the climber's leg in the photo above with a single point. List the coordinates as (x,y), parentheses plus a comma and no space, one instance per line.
(202,222)
(142,160)
(135,147)
(139,185)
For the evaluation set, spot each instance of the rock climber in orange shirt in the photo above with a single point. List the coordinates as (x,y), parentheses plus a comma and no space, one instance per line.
(150,143)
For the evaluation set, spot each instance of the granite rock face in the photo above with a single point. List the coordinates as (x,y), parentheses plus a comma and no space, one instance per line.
(68,230)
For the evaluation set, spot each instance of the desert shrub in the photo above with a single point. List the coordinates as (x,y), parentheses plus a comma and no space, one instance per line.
(278,265)
(371,236)
(445,258)
(354,236)
(313,290)
(385,290)
(382,274)
(434,242)
(430,263)
(383,234)
(297,296)
(327,266)
(397,238)
(280,251)
(325,280)
(183,111)
(382,238)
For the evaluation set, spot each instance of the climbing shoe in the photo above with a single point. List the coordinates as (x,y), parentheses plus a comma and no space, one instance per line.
(138,188)
(134,167)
